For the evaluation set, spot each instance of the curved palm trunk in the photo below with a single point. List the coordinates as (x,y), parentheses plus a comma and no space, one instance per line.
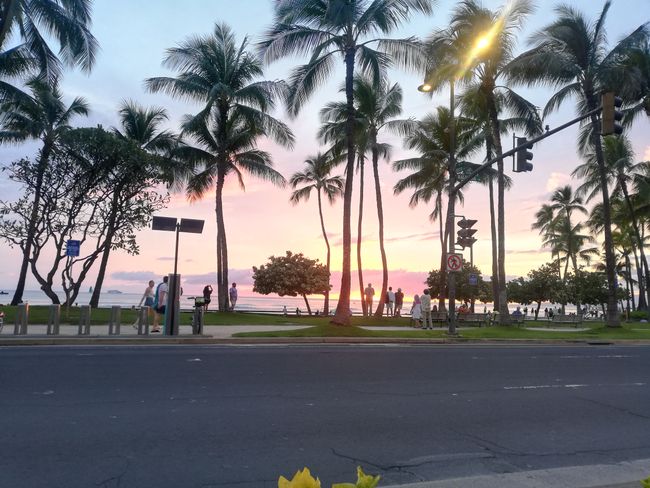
(495,258)
(326,304)
(380,217)
(342,316)
(637,235)
(504,317)
(364,305)
(31,228)
(613,319)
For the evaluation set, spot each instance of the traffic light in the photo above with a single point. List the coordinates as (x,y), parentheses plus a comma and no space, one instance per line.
(523,156)
(611,115)
(466,232)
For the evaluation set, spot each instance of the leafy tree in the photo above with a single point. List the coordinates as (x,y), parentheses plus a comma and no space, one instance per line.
(317,177)
(224,76)
(325,29)
(571,54)
(464,291)
(541,285)
(43,115)
(35,22)
(292,275)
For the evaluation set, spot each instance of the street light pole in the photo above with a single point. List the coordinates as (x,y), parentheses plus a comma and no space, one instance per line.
(451,208)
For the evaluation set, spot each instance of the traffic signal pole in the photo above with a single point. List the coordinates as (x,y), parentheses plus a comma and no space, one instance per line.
(534,140)
(451,210)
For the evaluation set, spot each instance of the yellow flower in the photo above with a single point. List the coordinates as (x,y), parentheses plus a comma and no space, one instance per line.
(363,481)
(302,479)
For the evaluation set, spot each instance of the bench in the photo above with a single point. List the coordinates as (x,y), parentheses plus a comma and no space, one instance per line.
(517,319)
(472,318)
(567,319)
(439,318)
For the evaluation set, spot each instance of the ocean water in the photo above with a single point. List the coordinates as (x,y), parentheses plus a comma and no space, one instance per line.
(251,303)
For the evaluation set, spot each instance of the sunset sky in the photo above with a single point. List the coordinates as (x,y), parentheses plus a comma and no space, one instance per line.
(260,221)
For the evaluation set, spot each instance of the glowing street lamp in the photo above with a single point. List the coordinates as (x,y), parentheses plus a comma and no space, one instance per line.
(425,87)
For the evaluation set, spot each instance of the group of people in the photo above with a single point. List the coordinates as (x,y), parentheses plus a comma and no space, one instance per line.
(155,297)
(394,300)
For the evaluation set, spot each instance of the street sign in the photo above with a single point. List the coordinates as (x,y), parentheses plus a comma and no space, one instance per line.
(473,279)
(454,262)
(72,248)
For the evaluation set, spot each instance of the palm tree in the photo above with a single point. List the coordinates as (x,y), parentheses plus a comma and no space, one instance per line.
(571,53)
(621,172)
(636,90)
(216,71)
(41,115)
(522,117)
(375,109)
(457,56)
(326,29)
(430,137)
(316,176)
(34,21)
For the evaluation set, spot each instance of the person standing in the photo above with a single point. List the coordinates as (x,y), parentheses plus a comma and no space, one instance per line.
(160,303)
(416,311)
(232,294)
(425,303)
(207,296)
(369,292)
(148,297)
(399,302)
(390,302)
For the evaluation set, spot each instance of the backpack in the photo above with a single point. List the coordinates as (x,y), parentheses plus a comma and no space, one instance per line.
(155,298)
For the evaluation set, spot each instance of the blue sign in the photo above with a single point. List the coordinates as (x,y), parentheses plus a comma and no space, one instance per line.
(72,248)
(473,279)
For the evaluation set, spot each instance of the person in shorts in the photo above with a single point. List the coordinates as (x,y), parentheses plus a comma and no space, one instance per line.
(160,303)
(207,297)
(232,294)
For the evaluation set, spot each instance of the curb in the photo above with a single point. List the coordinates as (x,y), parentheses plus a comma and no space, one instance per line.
(209,340)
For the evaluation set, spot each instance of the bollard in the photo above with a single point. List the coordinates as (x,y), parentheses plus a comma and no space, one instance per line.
(143,321)
(197,321)
(114,323)
(22,317)
(84,320)
(54,319)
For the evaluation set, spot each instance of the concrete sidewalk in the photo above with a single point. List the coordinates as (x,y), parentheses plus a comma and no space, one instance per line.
(621,475)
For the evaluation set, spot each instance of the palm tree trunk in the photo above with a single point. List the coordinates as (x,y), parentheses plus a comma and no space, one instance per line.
(31,227)
(364,305)
(613,319)
(380,216)
(495,258)
(342,316)
(326,304)
(504,317)
(628,270)
(639,275)
(222,262)
(637,235)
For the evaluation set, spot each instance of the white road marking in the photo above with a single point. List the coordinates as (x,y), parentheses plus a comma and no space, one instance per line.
(195,360)
(573,386)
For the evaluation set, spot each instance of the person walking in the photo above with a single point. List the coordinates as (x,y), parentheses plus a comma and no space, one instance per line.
(207,296)
(416,311)
(390,302)
(160,303)
(425,304)
(399,302)
(232,294)
(369,292)
(148,298)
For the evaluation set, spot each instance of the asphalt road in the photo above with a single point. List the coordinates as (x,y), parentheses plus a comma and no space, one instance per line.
(184,416)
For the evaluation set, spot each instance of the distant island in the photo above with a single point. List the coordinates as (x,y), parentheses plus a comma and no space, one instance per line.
(114,292)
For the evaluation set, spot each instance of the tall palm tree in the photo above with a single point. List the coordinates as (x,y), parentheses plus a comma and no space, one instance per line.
(459,57)
(326,29)
(316,176)
(376,107)
(571,54)
(621,171)
(41,115)
(35,21)
(520,117)
(224,76)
